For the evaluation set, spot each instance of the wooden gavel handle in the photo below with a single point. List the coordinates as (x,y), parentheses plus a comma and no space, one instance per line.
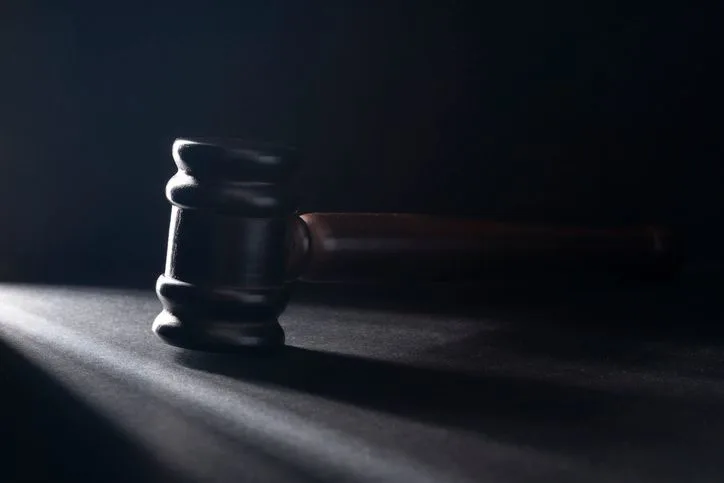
(366,246)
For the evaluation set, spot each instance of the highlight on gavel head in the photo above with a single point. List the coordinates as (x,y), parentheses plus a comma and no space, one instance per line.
(223,284)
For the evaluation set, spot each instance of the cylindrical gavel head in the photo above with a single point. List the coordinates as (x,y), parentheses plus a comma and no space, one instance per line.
(223,285)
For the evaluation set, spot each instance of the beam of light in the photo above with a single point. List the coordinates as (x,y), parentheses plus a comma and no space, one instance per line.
(320,451)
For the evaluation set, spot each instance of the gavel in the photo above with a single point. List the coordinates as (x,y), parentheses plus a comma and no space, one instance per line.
(236,244)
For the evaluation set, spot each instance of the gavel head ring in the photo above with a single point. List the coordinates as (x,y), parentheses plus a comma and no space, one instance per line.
(223,287)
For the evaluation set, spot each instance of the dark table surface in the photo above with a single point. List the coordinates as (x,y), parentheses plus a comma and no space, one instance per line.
(610,384)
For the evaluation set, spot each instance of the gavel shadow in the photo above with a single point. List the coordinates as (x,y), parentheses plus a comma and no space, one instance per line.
(625,323)
(48,434)
(675,328)
(480,298)
(553,416)
(514,404)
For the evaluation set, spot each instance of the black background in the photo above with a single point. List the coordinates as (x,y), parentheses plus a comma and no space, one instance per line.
(596,113)
(587,113)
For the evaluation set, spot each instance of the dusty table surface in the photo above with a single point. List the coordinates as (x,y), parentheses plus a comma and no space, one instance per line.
(630,389)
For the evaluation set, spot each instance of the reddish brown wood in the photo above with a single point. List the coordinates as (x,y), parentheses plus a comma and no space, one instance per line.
(367,246)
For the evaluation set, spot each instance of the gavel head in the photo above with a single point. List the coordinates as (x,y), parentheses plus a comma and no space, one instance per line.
(223,287)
